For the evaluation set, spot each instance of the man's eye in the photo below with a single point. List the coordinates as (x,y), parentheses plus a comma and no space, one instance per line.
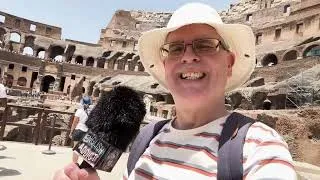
(205,46)
(175,48)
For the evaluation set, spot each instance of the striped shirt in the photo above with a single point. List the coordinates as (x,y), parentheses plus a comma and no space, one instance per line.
(193,154)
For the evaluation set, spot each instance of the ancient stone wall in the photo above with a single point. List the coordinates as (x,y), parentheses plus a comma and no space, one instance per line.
(21,25)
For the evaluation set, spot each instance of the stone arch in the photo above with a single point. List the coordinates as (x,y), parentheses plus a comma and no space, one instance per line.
(2,37)
(101,62)
(140,66)
(290,55)
(47,83)
(70,52)
(9,80)
(90,88)
(27,51)
(41,52)
(90,61)
(134,62)
(22,81)
(15,37)
(96,92)
(112,61)
(55,51)
(312,50)
(125,61)
(58,58)
(269,60)
(106,54)
(79,60)
(29,41)
(83,90)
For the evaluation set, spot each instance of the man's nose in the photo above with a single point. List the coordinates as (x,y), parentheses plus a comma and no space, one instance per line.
(189,56)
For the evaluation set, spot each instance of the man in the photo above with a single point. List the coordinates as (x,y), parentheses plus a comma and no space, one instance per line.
(198,59)
(78,127)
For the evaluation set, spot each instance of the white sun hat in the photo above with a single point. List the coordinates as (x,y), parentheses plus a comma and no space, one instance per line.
(238,38)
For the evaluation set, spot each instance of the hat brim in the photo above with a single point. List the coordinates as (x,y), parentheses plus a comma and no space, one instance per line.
(238,37)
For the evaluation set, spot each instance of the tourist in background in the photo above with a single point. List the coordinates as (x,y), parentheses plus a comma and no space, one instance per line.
(78,127)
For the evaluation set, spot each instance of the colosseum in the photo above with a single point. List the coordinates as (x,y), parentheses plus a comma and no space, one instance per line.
(34,58)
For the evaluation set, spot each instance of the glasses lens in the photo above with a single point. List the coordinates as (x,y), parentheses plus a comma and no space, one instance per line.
(173,49)
(206,45)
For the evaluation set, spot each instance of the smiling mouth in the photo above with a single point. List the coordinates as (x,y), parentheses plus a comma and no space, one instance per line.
(192,75)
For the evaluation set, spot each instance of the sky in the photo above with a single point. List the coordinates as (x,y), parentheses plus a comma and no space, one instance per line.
(82,20)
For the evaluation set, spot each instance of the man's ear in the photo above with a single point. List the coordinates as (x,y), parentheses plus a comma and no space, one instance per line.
(231,60)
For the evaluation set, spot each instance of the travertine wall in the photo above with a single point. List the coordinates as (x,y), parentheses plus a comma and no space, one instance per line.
(284,30)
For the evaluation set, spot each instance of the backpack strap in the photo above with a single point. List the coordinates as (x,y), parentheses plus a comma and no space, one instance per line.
(141,143)
(231,146)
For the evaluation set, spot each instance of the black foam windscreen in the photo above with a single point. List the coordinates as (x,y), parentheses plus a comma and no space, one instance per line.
(112,124)
(117,116)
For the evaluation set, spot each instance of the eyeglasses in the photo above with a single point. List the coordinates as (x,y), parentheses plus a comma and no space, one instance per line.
(200,47)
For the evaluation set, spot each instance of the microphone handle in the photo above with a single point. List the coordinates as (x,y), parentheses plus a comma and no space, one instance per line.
(84,165)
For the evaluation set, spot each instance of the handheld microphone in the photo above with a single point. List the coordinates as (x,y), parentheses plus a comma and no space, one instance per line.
(112,124)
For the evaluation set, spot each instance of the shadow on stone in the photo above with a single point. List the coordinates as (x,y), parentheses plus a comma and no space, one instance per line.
(8,172)
(6,157)
(2,147)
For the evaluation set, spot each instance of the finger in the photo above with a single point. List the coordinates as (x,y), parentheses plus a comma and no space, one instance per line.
(82,173)
(70,168)
(60,175)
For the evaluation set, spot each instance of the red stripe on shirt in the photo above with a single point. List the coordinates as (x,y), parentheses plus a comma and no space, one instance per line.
(189,147)
(144,174)
(266,143)
(208,135)
(181,166)
(270,161)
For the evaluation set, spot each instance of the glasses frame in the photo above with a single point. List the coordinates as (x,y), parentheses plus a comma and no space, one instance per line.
(220,43)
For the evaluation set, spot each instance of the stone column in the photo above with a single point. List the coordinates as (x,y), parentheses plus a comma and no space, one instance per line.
(95,63)
(73,60)
(37,83)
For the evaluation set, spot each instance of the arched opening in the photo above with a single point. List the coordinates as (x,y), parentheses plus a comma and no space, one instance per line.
(56,51)
(15,37)
(22,81)
(83,90)
(69,53)
(9,80)
(2,33)
(79,60)
(41,53)
(58,58)
(106,54)
(90,62)
(291,55)
(47,83)
(269,60)
(96,92)
(100,63)
(90,88)
(140,66)
(27,51)
(313,50)
(29,41)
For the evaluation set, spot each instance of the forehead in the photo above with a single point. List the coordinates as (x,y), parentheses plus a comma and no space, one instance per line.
(191,32)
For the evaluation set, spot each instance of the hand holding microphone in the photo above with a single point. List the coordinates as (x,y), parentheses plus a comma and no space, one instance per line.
(113,124)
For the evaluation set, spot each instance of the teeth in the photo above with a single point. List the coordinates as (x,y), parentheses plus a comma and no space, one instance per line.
(192,75)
